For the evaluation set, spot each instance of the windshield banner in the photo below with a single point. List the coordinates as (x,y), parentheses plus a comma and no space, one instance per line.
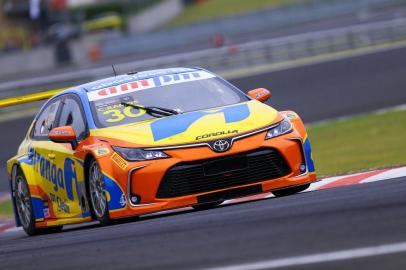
(158,81)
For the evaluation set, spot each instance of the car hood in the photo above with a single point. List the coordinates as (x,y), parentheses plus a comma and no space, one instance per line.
(194,127)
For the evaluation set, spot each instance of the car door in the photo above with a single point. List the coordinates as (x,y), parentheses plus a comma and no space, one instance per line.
(72,114)
(59,171)
(48,174)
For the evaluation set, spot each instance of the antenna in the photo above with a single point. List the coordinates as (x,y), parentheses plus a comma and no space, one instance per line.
(114,70)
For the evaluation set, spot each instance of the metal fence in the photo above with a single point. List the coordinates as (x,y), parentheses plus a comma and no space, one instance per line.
(235,26)
(283,49)
(231,58)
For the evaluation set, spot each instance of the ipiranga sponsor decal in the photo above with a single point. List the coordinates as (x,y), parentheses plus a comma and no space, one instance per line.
(144,84)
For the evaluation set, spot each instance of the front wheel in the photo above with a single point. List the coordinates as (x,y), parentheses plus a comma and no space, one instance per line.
(290,190)
(25,210)
(97,194)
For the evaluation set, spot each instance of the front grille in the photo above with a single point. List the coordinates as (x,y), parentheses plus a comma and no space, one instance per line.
(218,173)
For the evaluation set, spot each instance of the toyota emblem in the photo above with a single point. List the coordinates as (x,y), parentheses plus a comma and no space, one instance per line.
(221,146)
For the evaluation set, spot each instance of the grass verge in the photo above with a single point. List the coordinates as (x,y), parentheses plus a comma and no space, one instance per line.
(213,9)
(6,208)
(359,143)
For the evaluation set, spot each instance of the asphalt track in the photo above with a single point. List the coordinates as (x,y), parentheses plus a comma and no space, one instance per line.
(317,92)
(312,223)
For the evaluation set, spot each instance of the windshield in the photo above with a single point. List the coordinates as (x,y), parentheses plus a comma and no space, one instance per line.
(179,92)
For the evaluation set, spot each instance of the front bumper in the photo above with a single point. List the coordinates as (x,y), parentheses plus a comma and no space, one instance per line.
(143,179)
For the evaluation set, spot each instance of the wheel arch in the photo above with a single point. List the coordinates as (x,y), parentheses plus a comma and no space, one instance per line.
(88,158)
(116,197)
(86,164)
(301,129)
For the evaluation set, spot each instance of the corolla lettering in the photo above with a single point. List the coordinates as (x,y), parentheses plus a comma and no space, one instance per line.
(206,136)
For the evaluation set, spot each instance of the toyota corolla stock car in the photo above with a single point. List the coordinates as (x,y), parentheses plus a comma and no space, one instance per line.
(151,141)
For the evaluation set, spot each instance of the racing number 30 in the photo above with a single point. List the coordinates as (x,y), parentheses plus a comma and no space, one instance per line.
(118,115)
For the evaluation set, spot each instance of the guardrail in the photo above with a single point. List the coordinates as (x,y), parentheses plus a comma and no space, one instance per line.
(234,27)
(235,57)
(286,48)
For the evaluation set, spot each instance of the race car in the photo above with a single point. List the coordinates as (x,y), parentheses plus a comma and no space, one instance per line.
(150,141)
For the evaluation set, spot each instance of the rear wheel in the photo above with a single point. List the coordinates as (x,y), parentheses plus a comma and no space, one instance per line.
(25,210)
(290,190)
(206,206)
(97,194)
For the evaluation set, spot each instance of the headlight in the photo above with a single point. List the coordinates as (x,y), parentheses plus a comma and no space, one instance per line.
(136,154)
(283,127)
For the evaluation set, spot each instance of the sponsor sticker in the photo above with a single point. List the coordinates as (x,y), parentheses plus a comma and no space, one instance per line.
(62,205)
(291,115)
(137,85)
(260,94)
(119,161)
(123,200)
(63,177)
(56,132)
(102,151)
(47,214)
(138,76)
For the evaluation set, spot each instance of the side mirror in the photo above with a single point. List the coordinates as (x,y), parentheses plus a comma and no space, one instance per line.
(260,94)
(64,134)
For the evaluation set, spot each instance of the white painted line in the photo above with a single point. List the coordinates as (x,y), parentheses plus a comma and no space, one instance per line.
(319,257)
(390,174)
(14,229)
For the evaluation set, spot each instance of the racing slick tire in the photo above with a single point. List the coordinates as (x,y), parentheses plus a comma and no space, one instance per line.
(290,191)
(206,206)
(96,194)
(25,210)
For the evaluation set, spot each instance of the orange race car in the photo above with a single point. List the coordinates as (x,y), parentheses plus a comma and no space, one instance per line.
(151,141)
